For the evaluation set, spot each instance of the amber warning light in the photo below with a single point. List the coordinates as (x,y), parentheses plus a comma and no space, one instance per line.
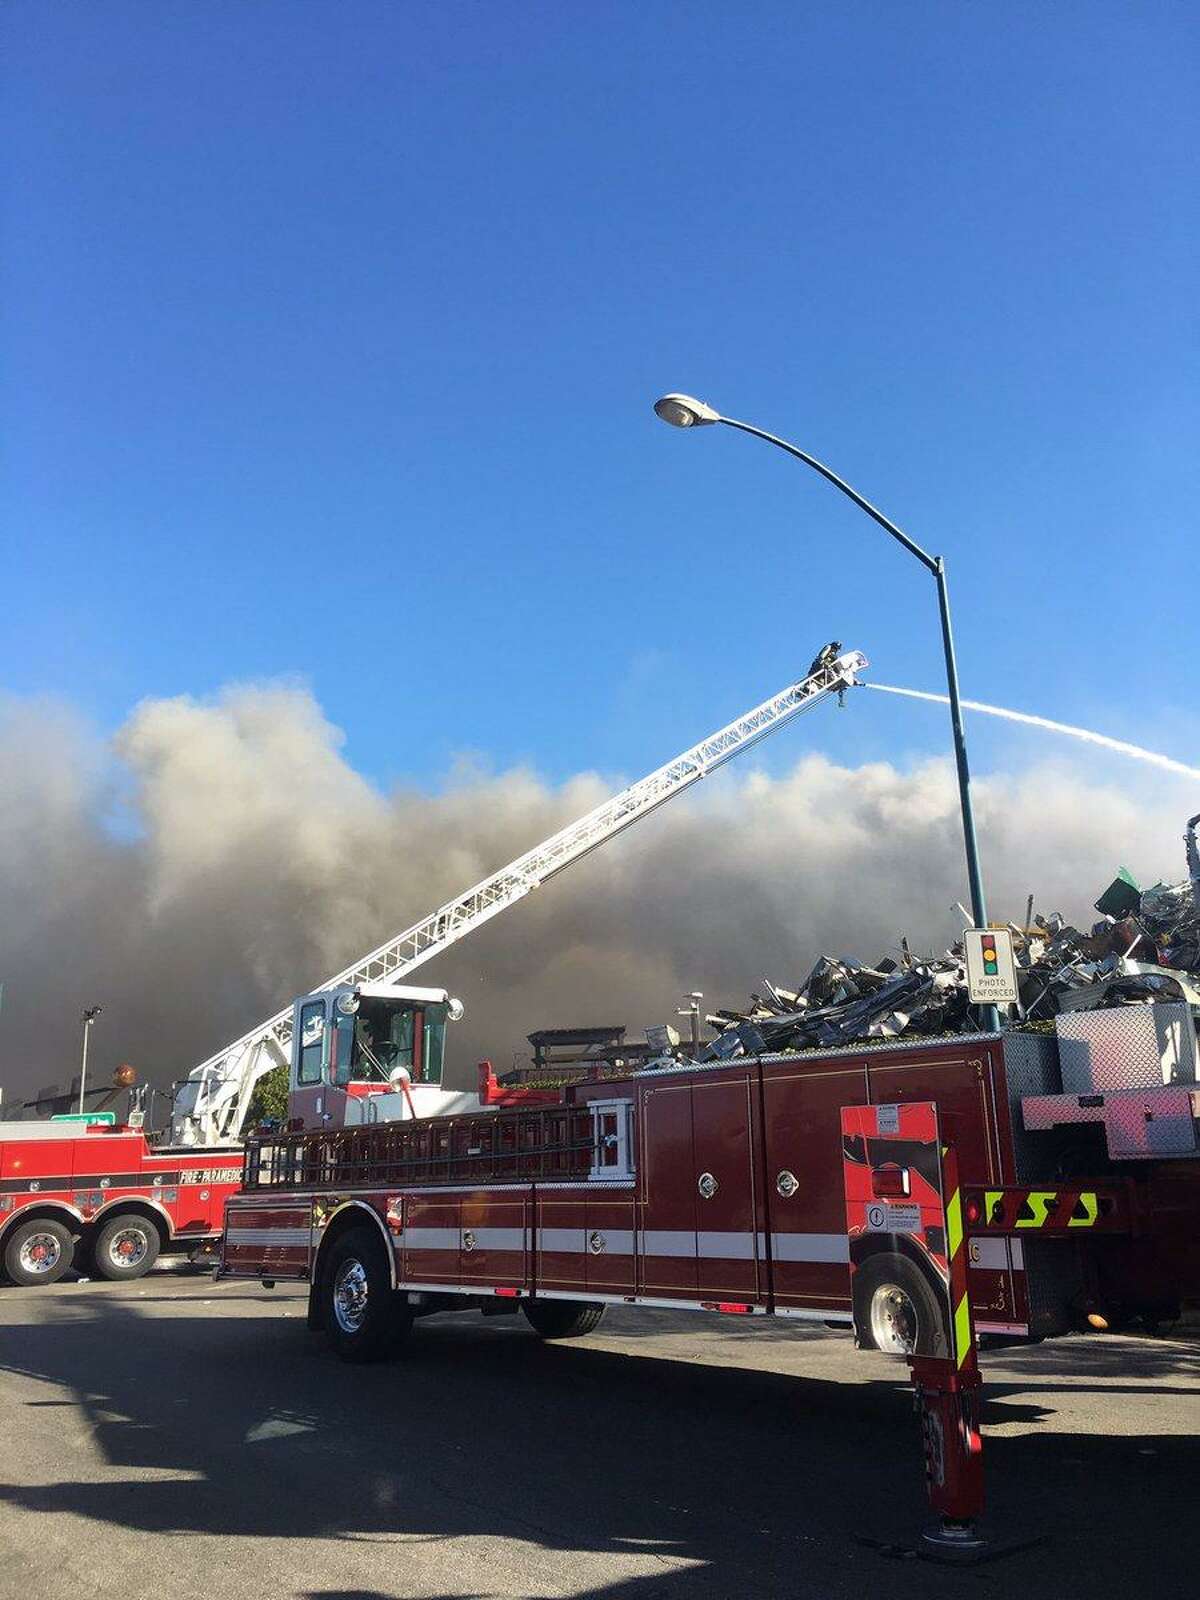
(991,971)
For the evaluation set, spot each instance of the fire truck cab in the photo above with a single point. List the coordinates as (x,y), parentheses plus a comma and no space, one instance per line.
(371,1052)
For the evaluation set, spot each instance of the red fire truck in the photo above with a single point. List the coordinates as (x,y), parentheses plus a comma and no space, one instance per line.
(919,1192)
(96,1196)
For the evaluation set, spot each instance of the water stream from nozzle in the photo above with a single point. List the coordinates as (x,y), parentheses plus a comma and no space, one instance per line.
(1120,746)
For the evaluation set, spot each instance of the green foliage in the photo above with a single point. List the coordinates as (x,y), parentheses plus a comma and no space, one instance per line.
(270,1098)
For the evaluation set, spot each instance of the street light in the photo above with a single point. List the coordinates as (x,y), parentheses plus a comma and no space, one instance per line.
(692,1011)
(89,1016)
(683,411)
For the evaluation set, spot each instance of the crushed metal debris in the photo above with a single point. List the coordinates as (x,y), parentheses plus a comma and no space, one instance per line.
(1145,948)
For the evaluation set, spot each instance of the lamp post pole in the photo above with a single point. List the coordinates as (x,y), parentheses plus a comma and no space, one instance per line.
(682,411)
(89,1016)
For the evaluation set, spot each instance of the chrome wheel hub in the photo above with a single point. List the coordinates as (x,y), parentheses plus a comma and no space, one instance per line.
(127,1248)
(41,1252)
(893,1320)
(350,1296)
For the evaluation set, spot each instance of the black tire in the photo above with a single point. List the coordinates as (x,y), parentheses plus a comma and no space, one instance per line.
(562,1319)
(365,1319)
(889,1289)
(126,1247)
(39,1251)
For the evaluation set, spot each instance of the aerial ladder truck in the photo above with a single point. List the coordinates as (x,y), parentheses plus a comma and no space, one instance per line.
(924,1193)
(364,1046)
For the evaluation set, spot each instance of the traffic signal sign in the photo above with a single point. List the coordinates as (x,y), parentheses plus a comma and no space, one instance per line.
(991,971)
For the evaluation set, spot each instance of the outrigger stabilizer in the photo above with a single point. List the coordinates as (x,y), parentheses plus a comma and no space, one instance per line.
(901,1177)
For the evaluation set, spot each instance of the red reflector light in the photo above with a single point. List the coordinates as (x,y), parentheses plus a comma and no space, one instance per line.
(508,1294)
(734,1306)
(889,1183)
(974,1211)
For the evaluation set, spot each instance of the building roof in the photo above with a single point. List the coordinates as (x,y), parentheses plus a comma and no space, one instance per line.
(543,1036)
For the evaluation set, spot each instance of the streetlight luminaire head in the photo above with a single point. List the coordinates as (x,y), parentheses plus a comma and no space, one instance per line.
(683,411)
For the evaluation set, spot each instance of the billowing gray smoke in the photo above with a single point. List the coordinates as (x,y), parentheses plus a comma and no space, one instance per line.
(261,862)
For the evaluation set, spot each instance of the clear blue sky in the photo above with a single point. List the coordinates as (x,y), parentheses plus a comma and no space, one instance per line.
(331,333)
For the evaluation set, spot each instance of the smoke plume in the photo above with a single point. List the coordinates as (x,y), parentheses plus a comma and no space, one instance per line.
(223,856)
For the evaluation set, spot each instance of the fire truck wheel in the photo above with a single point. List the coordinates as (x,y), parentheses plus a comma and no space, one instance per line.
(38,1252)
(126,1247)
(363,1316)
(562,1319)
(896,1309)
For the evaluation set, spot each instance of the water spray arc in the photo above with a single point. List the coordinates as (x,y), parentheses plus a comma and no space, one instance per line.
(1119,746)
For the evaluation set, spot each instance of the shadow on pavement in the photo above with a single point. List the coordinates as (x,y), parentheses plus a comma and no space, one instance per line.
(768,1482)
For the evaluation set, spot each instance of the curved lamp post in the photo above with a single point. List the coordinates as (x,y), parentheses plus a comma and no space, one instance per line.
(682,411)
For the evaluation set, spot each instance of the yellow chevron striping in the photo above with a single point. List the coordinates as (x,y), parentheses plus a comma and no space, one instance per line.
(954,1225)
(1091,1206)
(962,1331)
(1038,1201)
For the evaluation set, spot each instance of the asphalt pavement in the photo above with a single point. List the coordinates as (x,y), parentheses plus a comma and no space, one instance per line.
(177,1438)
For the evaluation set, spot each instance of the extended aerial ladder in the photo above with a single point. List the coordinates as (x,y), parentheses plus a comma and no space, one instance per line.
(211,1104)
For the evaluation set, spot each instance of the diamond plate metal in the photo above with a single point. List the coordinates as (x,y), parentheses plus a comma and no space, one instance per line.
(1128,1047)
(1164,1128)
(1031,1068)
(1138,1124)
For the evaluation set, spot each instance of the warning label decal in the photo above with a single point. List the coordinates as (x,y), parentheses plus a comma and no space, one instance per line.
(893,1219)
(887,1119)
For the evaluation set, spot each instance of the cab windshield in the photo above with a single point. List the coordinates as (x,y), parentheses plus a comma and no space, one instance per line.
(386,1034)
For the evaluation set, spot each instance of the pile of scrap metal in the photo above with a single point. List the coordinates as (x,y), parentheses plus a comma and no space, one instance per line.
(1147,947)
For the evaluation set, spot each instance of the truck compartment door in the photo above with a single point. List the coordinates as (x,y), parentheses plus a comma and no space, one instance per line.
(562,1232)
(267,1241)
(609,1230)
(431,1238)
(494,1239)
(667,1192)
(724,1181)
(697,1178)
(810,1255)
